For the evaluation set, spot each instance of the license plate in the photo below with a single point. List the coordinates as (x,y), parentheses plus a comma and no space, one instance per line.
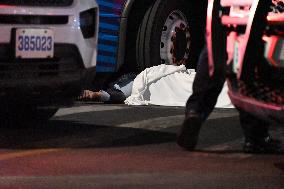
(34,43)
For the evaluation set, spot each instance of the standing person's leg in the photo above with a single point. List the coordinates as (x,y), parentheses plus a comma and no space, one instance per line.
(201,103)
(253,127)
(256,133)
(205,89)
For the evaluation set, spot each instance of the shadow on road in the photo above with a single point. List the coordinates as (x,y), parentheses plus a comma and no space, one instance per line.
(223,152)
(69,134)
(280,165)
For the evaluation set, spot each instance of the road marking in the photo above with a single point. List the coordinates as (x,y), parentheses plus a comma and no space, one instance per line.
(88,108)
(155,124)
(158,123)
(12,155)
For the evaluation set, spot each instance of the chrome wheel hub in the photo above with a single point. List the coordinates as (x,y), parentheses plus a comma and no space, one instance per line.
(175,39)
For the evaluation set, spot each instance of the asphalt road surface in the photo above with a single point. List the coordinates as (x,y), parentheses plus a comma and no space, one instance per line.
(92,146)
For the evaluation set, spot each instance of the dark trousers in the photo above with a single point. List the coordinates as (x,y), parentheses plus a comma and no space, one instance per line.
(206,90)
(116,96)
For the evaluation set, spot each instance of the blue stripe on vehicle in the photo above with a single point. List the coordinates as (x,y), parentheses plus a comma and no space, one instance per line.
(106,10)
(109,32)
(106,42)
(114,20)
(108,4)
(108,65)
(107,15)
(108,59)
(107,53)
(105,37)
(107,48)
(104,69)
(109,26)
(109,38)
(110,12)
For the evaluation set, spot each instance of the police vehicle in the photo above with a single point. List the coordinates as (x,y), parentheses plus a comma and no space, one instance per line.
(254,48)
(47,50)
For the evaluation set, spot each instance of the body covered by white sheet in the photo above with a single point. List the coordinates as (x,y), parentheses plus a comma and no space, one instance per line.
(167,85)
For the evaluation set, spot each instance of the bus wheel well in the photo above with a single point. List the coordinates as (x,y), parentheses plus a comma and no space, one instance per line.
(197,11)
(134,19)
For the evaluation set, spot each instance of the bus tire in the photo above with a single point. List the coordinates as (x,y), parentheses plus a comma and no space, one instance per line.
(156,45)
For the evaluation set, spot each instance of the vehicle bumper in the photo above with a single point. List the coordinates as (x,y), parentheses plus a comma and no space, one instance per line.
(267,111)
(43,80)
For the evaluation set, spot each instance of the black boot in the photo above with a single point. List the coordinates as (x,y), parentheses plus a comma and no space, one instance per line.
(187,137)
(264,145)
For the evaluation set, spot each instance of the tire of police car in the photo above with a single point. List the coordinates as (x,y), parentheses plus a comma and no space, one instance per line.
(149,34)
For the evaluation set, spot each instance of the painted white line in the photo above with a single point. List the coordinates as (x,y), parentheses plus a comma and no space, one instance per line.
(155,124)
(159,123)
(88,108)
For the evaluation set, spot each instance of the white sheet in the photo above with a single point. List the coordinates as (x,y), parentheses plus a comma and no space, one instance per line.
(167,85)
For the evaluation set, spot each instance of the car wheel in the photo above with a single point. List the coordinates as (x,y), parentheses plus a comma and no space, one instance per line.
(165,35)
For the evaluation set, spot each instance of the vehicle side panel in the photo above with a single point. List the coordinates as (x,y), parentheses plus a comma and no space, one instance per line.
(108,42)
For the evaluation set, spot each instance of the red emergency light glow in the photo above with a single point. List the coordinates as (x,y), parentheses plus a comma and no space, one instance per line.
(4,6)
(275,18)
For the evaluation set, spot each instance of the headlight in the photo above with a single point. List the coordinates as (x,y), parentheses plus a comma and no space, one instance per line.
(88,22)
